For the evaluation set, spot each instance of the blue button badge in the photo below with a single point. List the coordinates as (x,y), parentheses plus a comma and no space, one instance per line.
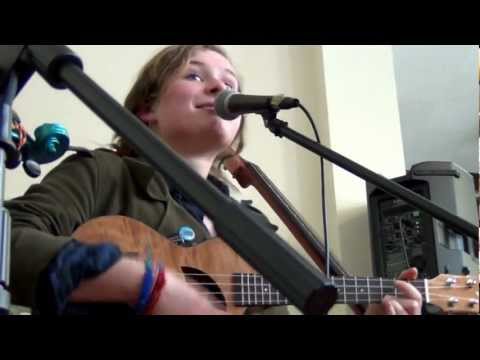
(186,234)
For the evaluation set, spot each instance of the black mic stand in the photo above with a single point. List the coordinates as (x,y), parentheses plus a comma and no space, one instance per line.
(304,285)
(9,158)
(280,128)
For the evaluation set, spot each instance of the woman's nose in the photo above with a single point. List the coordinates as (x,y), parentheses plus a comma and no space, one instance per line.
(215,86)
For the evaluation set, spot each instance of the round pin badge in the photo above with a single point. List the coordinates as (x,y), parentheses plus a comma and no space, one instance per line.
(186,234)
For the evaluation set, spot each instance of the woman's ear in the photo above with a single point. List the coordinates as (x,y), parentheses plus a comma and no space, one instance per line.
(147,117)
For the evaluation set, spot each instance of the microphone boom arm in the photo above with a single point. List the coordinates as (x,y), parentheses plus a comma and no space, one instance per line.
(281,129)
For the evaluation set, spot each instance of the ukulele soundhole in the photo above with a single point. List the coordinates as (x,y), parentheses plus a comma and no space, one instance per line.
(206,285)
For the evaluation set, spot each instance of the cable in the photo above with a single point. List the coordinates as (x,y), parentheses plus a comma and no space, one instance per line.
(322,179)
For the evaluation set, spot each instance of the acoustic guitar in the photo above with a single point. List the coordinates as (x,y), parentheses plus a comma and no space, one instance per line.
(233,285)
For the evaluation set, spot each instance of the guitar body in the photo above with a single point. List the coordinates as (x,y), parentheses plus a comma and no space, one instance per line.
(210,261)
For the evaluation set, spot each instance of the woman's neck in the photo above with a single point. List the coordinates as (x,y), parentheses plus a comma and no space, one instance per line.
(200,164)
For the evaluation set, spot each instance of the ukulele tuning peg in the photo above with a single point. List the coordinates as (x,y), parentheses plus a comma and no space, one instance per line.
(470,282)
(452,301)
(450,281)
(472,302)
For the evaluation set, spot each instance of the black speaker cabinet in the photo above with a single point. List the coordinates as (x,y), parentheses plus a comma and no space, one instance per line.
(402,236)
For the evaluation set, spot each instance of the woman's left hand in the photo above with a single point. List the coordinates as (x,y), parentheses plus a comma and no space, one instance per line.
(409,304)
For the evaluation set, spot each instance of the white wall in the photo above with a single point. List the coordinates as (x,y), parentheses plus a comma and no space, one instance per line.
(438,98)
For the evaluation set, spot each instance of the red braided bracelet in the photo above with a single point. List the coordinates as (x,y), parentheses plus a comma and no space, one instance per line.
(157,290)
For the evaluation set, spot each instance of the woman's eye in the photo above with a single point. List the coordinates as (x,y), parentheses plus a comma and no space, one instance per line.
(194,76)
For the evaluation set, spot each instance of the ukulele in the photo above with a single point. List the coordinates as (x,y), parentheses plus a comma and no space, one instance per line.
(233,285)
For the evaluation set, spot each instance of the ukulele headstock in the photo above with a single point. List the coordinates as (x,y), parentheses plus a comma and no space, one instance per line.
(454,294)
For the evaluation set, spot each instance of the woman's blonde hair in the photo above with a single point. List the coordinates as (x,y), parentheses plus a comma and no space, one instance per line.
(151,83)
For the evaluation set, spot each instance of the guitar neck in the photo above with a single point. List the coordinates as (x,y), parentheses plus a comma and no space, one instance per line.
(255,290)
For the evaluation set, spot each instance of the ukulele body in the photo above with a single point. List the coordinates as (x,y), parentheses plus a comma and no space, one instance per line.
(212,262)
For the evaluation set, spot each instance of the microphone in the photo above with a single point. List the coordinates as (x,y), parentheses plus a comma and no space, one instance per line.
(229,104)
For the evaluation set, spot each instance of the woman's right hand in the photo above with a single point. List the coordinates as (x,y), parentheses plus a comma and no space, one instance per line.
(180,298)
(122,284)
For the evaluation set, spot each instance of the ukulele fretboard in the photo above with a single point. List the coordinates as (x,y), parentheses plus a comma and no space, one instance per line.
(255,290)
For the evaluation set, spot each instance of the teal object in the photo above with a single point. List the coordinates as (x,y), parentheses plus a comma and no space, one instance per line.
(186,234)
(15,136)
(51,142)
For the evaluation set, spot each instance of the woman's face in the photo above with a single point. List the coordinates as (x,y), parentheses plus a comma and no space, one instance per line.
(184,115)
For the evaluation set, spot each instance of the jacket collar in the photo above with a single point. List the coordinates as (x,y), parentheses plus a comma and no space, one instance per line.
(147,179)
(154,184)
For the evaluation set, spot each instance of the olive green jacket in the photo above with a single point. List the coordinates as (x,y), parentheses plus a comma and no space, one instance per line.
(83,187)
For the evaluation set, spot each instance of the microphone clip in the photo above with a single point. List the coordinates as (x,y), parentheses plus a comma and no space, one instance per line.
(276,101)
(272,123)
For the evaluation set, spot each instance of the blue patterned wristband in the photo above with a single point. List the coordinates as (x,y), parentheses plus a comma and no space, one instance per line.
(146,288)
